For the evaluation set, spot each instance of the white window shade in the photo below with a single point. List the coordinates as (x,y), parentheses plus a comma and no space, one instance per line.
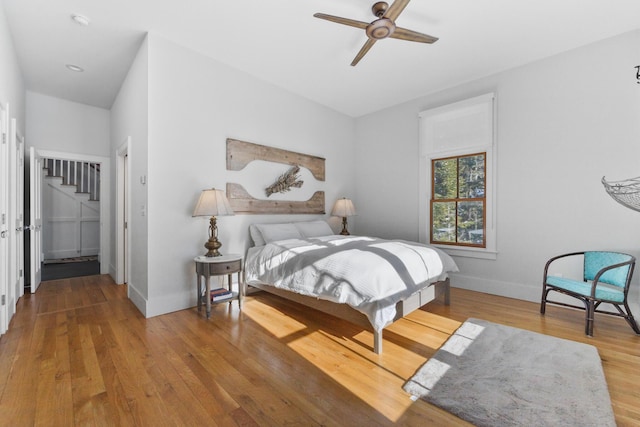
(456,127)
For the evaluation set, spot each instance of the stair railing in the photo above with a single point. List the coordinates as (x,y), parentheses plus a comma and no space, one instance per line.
(85,176)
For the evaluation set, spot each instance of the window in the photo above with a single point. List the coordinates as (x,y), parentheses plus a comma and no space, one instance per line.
(458,200)
(457,186)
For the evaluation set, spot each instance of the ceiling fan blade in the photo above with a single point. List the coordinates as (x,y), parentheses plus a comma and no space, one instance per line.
(395,9)
(413,36)
(363,51)
(344,21)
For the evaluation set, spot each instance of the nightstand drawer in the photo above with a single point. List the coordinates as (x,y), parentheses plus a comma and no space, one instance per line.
(224,267)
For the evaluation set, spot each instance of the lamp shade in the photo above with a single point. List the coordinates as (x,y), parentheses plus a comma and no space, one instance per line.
(212,203)
(344,208)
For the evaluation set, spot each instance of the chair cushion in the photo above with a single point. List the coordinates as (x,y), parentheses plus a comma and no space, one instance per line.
(594,261)
(584,288)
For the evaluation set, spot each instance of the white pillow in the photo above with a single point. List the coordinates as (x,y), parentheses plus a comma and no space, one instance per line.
(274,232)
(256,236)
(314,228)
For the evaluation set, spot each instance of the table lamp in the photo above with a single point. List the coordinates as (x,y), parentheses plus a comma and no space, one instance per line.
(212,203)
(344,208)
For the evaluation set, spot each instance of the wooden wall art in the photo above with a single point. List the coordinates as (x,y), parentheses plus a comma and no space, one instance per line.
(242,202)
(241,153)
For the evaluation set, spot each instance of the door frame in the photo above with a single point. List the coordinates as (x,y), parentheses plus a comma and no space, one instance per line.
(105,199)
(20,220)
(123,211)
(16,216)
(5,233)
(35,219)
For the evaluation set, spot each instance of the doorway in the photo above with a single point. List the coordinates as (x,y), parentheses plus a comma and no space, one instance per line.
(99,265)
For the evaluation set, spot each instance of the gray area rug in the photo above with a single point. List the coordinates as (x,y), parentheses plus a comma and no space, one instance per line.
(495,375)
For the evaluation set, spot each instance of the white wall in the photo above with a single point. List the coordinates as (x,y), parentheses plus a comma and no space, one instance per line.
(194,104)
(563,123)
(59,125)
(11,82)
(130,118)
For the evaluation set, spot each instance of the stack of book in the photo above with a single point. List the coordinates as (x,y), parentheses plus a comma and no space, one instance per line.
(220,294)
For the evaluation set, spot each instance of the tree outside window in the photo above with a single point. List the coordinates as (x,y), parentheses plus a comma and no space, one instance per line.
(458,202)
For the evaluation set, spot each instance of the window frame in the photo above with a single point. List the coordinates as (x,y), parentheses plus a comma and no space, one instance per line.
(432,147)
(457,200)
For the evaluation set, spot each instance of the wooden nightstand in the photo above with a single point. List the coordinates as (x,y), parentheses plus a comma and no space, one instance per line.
(218,266)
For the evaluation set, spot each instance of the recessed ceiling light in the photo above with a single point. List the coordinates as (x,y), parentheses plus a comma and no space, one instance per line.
(75,68)
(80,19)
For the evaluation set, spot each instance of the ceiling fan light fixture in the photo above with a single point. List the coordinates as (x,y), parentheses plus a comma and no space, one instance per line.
(80,19)
(75,68)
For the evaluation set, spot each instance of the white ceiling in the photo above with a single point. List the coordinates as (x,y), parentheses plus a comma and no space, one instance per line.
(280,41)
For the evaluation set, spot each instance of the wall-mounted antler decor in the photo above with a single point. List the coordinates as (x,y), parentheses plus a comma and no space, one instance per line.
(285,182)
(241,153)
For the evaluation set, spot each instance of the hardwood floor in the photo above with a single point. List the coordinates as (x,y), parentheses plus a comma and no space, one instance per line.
(79,353)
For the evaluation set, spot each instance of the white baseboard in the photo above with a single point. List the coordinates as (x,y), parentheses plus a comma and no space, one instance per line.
(169,303)
(526,292)
(112,272)
(138,300)
(496,287)
(182,300)
(187,299)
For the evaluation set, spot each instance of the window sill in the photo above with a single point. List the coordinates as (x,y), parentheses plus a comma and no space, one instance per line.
(469,252)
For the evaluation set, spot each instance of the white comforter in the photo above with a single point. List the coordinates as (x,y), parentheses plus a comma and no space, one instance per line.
(369,274)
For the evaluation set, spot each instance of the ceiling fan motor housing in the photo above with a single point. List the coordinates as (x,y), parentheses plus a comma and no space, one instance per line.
(380,29)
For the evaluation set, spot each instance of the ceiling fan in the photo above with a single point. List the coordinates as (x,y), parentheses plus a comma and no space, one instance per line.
(382,27)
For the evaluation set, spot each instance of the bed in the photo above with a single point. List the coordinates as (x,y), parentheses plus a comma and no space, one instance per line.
(368,281)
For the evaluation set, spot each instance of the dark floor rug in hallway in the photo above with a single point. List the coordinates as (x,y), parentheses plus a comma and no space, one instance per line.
(70,269)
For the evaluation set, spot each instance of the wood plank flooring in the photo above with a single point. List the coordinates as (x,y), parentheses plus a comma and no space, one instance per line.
(79,353)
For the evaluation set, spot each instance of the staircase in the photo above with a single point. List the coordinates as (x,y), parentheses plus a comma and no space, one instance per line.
(70,209)
(85,176)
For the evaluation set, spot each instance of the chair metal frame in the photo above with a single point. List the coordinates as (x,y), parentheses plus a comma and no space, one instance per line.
(591,303)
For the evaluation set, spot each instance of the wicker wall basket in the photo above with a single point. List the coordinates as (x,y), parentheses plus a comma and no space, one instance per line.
(626,192)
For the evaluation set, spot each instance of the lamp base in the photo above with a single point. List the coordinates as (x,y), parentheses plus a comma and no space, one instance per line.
(344,231)
(213,245)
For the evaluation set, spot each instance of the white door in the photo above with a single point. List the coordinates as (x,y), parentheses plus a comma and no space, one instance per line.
(15,219)
(4,220)
(122,212)
(125,267)
(19,207)
(35,198)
